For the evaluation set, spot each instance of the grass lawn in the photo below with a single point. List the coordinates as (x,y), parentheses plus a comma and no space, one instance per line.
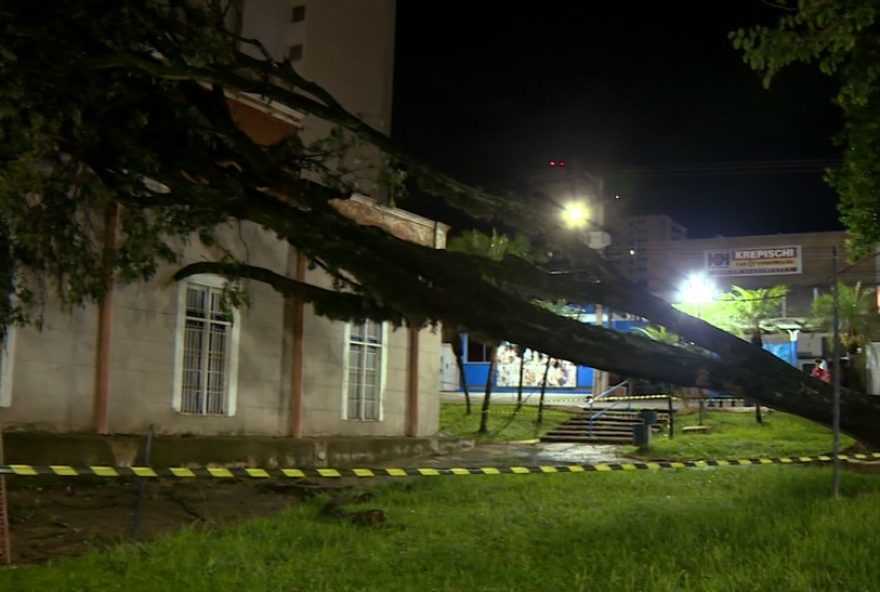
(738,435)
(707,530)
(732,434)
(504,424)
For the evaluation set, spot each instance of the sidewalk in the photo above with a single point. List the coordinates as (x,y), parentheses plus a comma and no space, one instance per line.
(523,453)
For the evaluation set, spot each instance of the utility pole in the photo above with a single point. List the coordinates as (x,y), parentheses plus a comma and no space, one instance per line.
(835,379)
(600,377)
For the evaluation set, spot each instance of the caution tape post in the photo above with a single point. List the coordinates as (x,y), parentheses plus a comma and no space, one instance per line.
(5,544)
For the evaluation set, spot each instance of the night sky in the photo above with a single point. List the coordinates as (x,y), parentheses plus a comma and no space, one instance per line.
(651,96)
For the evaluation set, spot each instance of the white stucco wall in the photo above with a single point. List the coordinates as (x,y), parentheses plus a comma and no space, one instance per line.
(52,372)
(145,324)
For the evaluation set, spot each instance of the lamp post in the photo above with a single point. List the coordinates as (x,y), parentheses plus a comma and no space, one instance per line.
(698,289)
(835,381)
(576,215)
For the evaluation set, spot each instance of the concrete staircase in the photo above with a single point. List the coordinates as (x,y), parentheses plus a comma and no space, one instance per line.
(612,427)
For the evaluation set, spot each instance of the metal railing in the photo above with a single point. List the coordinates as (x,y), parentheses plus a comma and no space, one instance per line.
(628,399)
(592,400)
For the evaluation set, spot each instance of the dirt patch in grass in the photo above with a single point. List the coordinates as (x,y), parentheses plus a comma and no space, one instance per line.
(66,518)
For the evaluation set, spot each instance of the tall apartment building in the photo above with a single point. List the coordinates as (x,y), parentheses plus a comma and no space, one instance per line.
(346,46)
(631,242)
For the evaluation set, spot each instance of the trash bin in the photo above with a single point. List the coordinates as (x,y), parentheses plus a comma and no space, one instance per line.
(649,416)
(642,435)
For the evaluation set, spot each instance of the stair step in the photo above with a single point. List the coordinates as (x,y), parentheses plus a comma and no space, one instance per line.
(612,427)
(611,420)
(618,420)
(589,439)
(594,434)
(620,415)
(596,428)
(627,437)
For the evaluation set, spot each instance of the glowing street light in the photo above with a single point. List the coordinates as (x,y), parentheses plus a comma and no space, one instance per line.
(575,214)
(697,289)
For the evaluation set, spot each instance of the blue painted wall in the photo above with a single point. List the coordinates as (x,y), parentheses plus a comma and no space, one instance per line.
(476,372)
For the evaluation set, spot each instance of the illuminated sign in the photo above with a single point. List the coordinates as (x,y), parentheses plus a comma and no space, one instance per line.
(782,260)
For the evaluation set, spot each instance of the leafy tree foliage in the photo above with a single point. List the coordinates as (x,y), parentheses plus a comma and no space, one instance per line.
(123,105)
(858,322)
(750,309)
(842,38)
(495,246)
(858,319)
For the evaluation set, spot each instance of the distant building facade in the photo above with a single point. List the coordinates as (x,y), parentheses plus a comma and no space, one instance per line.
(802,262)
(631,240)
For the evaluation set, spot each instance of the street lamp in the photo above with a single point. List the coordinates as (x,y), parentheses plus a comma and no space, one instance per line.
(575,214)
(698,289)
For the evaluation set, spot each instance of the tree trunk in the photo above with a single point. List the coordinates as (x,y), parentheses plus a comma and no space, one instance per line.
(217,174)
(736,367)
(756,340)
(462,378)
(484,411)
(543,390)
(519,386)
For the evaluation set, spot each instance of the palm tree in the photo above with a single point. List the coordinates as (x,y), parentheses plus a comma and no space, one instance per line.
(547,362)
(459,363)
(749,310)
(495,246)
(561,308)
(664,335)
(658,333)
(858,321)
(521,353)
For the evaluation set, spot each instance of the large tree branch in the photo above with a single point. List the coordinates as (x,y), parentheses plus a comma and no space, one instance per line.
(459,293)
(340,306)
(182,137)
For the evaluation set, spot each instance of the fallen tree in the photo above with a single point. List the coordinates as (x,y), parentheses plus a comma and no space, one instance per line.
(107,104)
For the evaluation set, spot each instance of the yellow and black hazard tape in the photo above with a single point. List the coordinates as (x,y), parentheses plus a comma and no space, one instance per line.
(330,473)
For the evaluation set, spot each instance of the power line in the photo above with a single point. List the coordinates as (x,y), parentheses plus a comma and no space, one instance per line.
(745,167)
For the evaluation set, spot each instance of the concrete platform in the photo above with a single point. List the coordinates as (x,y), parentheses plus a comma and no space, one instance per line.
(41,448)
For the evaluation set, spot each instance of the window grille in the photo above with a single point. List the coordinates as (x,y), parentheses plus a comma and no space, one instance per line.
(365,351)
(206,347)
